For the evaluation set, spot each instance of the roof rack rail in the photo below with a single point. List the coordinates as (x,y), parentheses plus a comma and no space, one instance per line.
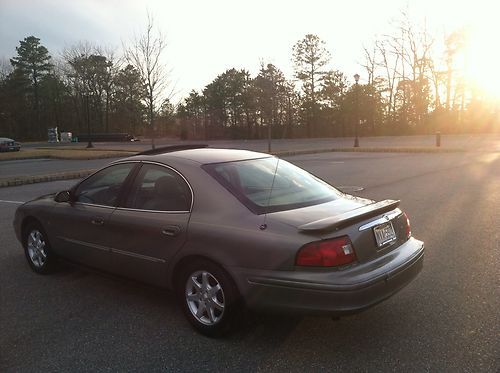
(172,148)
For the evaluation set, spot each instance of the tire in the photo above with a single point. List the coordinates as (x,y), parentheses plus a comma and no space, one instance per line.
(37,249)
(208,297)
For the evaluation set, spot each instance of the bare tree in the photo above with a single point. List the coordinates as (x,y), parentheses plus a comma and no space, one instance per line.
(145,55)
(370,64)
(390,69)
(5,68)
(454,43)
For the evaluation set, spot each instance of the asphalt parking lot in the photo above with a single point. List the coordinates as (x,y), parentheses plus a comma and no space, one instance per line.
(447,320)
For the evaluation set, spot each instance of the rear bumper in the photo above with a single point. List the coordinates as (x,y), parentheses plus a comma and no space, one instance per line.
(10,148)
(334,292)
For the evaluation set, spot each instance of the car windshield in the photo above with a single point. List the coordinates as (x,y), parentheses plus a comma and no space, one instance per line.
(271,184)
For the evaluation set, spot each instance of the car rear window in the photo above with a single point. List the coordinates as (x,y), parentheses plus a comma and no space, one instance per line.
(271,184)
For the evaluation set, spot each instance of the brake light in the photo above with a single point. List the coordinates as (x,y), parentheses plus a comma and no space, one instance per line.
(408,227)
(328,253)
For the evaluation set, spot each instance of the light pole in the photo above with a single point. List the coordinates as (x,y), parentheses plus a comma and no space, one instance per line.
(269,137)
(89,133)
(356,114)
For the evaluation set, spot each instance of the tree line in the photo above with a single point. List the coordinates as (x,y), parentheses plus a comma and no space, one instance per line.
(407,87)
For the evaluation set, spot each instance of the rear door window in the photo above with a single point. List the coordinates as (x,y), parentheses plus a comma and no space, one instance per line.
(159,188)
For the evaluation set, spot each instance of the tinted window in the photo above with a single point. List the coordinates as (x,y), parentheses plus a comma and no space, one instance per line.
(159,188)
(271,184)
(103,188)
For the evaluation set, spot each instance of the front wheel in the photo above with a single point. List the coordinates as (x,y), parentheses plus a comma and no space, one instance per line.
(209,298)
(37,249)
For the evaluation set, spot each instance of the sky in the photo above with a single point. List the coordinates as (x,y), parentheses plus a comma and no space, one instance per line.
(207,37)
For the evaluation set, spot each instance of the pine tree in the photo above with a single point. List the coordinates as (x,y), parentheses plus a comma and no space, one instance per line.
(32,64)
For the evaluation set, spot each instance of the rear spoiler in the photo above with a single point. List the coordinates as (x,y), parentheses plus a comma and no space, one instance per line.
(350,217)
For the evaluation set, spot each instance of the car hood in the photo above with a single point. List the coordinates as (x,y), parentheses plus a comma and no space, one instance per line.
(336,214)
(45,197)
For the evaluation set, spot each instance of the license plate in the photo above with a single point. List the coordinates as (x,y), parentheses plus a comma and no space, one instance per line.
(384,234)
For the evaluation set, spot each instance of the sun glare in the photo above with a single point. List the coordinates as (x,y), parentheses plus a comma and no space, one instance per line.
(481,59)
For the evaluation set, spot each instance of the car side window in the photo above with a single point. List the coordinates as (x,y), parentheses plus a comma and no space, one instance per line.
(159,188)
(103,188)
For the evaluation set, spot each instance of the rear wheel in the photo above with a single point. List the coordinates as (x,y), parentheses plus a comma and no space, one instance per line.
(209,298)
(37,249)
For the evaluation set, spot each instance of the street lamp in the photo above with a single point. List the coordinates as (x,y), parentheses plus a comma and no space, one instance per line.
(356,115)
(89,144)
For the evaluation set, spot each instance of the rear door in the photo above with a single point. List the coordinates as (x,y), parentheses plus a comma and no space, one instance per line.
(150,224)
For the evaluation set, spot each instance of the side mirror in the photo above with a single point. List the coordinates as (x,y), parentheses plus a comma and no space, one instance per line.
(63,196)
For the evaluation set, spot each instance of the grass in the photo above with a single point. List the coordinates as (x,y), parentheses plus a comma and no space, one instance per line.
(115,152)
(66,153)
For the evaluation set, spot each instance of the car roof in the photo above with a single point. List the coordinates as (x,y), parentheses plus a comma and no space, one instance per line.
(203,155)
(5,139)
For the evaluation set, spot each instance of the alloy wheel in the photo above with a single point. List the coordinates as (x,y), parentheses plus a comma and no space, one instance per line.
(205,297)
(36,248)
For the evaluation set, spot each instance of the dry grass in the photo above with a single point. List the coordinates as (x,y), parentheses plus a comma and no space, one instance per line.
(66,153)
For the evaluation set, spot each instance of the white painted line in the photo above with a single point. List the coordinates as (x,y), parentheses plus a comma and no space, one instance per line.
(339,162)
(15,202)
(350,188)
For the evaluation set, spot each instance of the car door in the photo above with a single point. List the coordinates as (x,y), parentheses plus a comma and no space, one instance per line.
(82,223)
(150,225)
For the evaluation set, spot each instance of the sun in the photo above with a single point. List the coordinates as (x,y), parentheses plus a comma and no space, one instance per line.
(481,59)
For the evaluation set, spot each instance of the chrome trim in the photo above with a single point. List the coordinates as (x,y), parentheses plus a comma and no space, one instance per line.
(121,161)
(387,217)
(93,205)
(138,256)
(87,244)
(157,211)
(130,209)
(113,250)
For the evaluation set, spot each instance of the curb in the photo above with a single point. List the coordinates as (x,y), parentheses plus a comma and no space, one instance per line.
(8,182)
(370,150)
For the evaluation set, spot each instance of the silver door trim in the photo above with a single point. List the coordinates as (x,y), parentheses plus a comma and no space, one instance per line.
(114,250)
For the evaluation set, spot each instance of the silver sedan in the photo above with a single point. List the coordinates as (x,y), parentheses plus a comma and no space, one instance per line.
(9,145)
(226,229)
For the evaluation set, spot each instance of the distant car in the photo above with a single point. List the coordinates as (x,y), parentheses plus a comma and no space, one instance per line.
(9,145)
(225,229)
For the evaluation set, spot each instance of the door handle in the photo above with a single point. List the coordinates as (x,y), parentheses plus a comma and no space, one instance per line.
(97,221)
(171,230)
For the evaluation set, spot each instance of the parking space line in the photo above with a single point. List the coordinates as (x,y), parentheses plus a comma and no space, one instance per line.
(15,202)
(350,188)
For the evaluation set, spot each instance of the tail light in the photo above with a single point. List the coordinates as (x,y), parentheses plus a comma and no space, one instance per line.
(328,253)
(408,227)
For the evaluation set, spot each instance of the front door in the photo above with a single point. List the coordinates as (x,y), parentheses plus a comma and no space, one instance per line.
(82,224)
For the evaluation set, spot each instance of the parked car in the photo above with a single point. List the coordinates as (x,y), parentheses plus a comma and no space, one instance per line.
(9,145)
(225,229)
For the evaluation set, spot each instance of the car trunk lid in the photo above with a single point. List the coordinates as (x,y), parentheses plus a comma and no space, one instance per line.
(360,219)
(336,222)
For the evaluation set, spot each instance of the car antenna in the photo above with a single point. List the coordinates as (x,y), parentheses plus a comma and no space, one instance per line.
(263,226)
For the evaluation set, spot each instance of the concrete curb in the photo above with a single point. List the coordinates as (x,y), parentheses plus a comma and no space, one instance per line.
(370,150)
(15,181)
